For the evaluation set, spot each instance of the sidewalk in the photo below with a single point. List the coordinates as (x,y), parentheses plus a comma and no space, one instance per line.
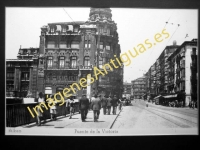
(162,106)
(104,121)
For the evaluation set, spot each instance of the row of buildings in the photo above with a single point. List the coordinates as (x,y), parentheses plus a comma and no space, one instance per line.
(67,52)
(174,75)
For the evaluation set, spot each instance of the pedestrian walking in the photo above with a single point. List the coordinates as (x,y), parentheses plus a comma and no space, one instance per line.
(83,106)
(109,104)
(53,108)
(120,104)
(114,103)
(71,106)
(104,104)
(96,106)
(193,104)
(40,114)
(67,108)
(92,98)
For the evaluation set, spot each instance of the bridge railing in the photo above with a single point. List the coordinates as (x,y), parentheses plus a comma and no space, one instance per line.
(18,114)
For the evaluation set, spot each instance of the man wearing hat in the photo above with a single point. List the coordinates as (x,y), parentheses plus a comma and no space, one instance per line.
(115,102)
(83,106)
(96,106)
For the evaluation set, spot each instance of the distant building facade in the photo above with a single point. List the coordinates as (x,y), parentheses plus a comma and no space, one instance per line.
(174,74)
(126,90)
(21,74)
(139,87)
(183,71)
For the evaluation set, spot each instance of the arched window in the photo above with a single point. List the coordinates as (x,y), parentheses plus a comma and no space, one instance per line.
(49,62)
(86,61)
(62,62)
(73,62)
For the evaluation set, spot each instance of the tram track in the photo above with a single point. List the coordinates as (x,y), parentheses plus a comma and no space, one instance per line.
(177,120)
(179,111)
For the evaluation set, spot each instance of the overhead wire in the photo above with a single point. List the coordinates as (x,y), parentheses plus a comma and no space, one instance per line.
(68,15)
(162,28)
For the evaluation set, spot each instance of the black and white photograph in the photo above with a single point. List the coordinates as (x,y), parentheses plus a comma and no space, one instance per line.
(87,71)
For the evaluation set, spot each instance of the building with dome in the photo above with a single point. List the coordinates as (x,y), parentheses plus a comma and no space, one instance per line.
(70,50)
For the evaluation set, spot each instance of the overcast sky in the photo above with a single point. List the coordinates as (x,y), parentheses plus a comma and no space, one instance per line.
(134,27)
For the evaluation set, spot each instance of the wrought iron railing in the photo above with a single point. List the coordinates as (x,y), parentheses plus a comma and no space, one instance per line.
(18,114)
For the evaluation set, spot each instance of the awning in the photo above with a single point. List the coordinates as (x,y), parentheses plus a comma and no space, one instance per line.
(158,96)
(170,96)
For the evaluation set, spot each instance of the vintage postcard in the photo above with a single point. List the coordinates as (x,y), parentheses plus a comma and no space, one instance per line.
(80,71)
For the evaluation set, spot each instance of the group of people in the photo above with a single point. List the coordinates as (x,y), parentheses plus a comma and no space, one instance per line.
(42,115)
(95,104)
(176,103)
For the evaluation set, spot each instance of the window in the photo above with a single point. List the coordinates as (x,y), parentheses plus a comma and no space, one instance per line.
(70,27)
(100,29)
(75,45)
(108,31)
(25,76)
(101,46)
(63,45)
(194,51)
(87,45)
(52,29)
(104,60)
(64,29)
(10,76)
(49,62)
(62,62)
(107,47)
(100,62)
(73,62)
(76,29)
(105,30)
(51,44)
(87,62)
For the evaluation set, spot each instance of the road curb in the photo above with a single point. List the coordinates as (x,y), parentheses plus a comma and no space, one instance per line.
(111,124)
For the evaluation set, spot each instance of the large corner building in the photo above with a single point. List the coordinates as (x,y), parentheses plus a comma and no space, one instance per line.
(68,51)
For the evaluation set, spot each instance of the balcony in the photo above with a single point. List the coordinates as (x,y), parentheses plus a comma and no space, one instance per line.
(183,78)
(193,53)
(177,70)
(183,54)
(25,79)
(10,78)
(178,80)
(85,67)
(182,65)
(193,79)
(193,67)
(63,68)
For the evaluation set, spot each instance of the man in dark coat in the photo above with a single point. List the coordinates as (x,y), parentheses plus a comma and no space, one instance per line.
(104,104)
(83,106)
(109,100)
(96,106)
(114,103)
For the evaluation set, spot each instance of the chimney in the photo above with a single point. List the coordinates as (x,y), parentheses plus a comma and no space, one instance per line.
(174,42)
